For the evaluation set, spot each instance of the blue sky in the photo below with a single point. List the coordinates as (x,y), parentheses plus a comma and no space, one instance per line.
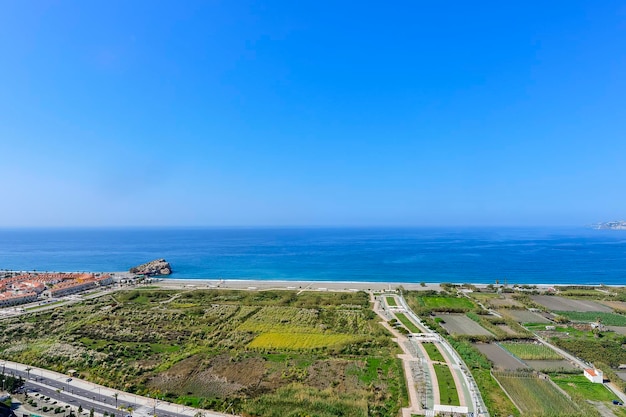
(116,113)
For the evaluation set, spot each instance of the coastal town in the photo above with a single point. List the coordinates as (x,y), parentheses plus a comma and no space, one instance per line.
(23,288)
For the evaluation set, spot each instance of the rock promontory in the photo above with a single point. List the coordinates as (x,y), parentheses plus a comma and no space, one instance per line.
(156,267)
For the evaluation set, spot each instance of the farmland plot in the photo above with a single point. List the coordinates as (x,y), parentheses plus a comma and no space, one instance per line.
(524,316)
(608,319)
(550,365)
(500,358)
(616,305)
(458,324)
(535,396)
(555,303)
(531,351)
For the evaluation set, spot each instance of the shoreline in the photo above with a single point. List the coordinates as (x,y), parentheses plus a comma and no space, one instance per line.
(309,284)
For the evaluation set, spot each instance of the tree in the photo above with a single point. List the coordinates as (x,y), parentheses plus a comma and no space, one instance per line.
(91,412)
(80,409)
(11,384)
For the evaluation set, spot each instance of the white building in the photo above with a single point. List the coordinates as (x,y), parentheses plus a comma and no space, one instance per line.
(594,375)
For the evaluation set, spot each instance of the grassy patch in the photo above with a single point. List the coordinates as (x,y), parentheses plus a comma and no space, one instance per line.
(441,303)
(579,385)
(447,388)
(433,352)
(391,301)
(407,323)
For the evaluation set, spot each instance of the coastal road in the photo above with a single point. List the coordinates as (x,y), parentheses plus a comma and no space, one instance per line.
(75,392)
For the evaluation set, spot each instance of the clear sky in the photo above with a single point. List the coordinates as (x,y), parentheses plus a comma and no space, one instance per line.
(427,113)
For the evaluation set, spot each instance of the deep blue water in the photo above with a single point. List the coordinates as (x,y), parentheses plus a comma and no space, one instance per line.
(519,255)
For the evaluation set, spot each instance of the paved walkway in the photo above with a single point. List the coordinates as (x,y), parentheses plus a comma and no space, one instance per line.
(414,403)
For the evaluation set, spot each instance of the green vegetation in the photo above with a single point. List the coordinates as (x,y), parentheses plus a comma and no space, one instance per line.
(535,396)
(425,302)
(391,301)
(296,401)
(11,383)
(446,304)
(530,351)
(579,385)
(408,323)
(608,319)
(433,352)
(295,341)
(594,350)
(447,388)
(253,353)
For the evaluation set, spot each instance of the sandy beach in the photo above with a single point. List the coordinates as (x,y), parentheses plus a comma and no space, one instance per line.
(291,285)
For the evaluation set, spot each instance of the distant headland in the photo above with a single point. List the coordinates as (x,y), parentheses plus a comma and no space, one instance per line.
(614,225)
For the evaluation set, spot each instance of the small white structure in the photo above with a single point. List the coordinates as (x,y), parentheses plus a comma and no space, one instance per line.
(594,375)
(451,409)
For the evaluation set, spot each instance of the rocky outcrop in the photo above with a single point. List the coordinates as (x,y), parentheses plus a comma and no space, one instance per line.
(156,267)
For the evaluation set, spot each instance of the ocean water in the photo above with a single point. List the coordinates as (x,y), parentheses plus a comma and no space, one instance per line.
(477,255)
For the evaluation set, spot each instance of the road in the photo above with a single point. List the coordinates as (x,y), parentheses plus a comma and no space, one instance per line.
(77,392)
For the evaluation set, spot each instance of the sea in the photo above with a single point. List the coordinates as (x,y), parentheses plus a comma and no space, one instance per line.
(398,255)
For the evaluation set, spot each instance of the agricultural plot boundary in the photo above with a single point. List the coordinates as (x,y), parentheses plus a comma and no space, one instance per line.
(535,396)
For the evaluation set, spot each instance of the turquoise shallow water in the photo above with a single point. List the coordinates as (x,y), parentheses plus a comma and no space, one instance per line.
(519,255)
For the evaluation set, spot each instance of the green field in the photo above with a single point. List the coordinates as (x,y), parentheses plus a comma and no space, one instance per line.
(408,323)
(608,319)
(535,396)
(531,351)
(265,353)
(391,301)
(447,388)
(579,385)
(442,303)
(433,352)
